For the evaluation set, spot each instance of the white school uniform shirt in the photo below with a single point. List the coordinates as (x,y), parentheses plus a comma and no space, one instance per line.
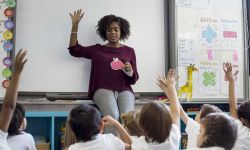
(3,141)
(208,148)
(101,142)
(192,129)
(171,143)
(243,139)
(22,141)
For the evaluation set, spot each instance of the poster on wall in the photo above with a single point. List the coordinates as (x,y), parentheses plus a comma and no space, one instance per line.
(209,78)
(208,29)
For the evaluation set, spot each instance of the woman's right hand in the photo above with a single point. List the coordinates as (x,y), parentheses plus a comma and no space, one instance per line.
(76,16)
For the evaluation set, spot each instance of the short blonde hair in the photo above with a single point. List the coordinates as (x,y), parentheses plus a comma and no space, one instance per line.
(130,122)
(69,137)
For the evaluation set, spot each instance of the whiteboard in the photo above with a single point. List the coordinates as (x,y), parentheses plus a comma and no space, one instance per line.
(210,33)
(44,26)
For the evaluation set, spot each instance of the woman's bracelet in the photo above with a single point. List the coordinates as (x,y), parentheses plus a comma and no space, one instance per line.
(73,32)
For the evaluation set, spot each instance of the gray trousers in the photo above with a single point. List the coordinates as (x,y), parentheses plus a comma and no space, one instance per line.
(113,103)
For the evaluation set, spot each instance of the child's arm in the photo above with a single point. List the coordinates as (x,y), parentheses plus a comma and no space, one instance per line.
(232,92)
(9,102)
(168,86)
(108,120)
(184,116)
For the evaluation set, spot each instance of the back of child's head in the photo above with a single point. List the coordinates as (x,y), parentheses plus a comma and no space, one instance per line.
(207,109)
(244,112)
(219,130)
(155,121)
(17,120)
(130,122)
(85,120)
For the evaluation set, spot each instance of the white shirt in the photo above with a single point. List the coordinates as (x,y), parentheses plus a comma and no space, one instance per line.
(3,141)
(171,143)
(208,148)
(102,142)
(22,141)
(192,130)
(243,139)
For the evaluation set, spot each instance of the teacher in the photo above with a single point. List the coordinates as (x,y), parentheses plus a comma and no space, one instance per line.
(113,65)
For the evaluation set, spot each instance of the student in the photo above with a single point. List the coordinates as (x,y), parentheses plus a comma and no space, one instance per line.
(130,123)
(87,126)
(18,139)
(69,137)
(218,131)
(160,125)
(240,114)
(9,101)
(193,126)
(110,88)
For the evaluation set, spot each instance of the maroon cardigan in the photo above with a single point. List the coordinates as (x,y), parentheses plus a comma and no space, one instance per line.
(102,75)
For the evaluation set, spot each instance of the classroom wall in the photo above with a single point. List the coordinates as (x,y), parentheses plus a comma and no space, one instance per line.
(43,27)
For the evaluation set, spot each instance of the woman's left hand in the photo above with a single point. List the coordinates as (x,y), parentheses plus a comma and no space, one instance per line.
(128,67)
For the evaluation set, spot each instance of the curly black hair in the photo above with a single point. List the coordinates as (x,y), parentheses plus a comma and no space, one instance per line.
(105,22)
(244,111)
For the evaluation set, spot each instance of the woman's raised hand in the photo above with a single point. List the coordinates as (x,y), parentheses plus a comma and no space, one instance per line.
(76,16)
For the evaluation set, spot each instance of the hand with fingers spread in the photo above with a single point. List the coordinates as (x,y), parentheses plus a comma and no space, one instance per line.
(76,16)
(169,82)
(229,73)
(20,61)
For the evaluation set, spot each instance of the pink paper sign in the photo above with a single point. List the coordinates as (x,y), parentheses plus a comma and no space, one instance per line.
(209,54)
(235,56)
(116,64)
(229,34)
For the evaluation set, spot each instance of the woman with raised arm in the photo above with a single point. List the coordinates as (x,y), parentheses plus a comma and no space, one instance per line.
(113,65)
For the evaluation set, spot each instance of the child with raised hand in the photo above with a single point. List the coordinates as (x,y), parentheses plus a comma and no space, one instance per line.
(160,126)
(18,139)
(9,101)
(240,114)
(193,125)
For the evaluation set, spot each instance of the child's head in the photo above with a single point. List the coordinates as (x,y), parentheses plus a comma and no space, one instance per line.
(85,122)
(155,121)
(217,129)
(244,113)
(205,110)
(108,23)
(18,122)
(130,122)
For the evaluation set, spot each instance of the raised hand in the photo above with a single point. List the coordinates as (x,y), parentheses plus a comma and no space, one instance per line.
(20,61)
(76,16)
(170,81)
(171,77)
(229,73)
(161,82)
